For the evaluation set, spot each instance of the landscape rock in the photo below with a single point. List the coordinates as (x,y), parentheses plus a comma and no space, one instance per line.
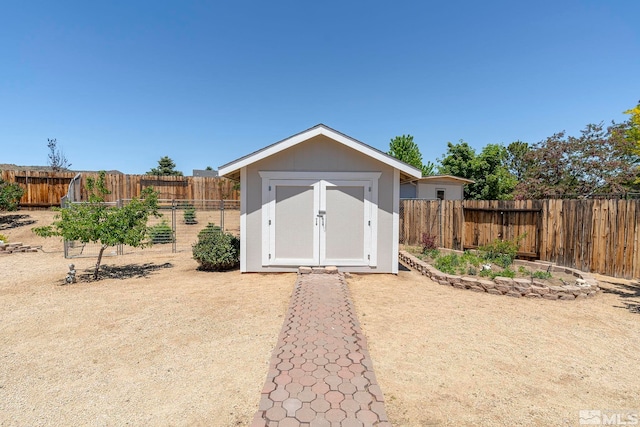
(503,281)
(585,285)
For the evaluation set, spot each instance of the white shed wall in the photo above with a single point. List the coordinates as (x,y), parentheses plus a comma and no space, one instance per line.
(429,190)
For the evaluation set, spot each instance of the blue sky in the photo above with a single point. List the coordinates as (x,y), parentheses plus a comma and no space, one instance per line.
(122,83)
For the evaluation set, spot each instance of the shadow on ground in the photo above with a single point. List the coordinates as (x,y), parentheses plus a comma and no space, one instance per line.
(14,221)
(122,272)
(402,267)
(629,295)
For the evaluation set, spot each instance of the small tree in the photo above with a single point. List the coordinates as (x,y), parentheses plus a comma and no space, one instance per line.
(97,222)
(57,159)
(166,167)
(190,214)
(405,149)
(493,181)
(10,195)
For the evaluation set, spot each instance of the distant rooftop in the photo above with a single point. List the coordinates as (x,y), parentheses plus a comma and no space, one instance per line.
(204,172)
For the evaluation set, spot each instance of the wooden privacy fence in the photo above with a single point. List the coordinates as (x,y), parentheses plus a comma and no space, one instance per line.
(45,188)
(601,236)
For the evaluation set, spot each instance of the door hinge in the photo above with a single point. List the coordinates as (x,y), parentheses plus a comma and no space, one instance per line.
(369,223)
(369,257)
(269,256)
(369,189)
(269,188)
(269,222)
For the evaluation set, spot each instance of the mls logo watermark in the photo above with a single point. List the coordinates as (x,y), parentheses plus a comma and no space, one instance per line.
(597,417)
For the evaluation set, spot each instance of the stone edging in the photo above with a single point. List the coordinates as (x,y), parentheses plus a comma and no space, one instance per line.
(9,248)
(585,286)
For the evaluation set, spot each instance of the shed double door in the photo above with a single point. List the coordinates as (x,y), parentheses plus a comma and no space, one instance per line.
(319,223)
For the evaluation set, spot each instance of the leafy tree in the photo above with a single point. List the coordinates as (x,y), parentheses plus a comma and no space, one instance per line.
(166,167)
(493,181)
(57,159)
(599,161)
(208,168)
(517,162)
(458,160)
(97,222)
(10,195)
(633,131)
(405,149)
(428,169)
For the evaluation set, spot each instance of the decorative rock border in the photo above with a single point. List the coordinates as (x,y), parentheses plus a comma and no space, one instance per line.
(9,248)
(585,285)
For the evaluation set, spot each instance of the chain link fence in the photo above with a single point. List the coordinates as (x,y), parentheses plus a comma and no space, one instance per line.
(176,230)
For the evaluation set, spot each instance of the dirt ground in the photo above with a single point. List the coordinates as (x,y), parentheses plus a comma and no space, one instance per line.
(450,357)
(175,346)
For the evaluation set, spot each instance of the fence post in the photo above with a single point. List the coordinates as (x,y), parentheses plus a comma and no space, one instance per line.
(173,226)
(440,222)
(222,215)
(120,247)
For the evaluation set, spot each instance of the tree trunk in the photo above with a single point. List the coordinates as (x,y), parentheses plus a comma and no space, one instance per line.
(95,273)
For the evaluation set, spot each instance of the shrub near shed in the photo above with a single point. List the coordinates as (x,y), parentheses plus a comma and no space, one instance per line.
(216,250)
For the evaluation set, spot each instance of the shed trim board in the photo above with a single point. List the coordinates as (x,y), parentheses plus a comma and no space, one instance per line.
(243,221)
(396,218)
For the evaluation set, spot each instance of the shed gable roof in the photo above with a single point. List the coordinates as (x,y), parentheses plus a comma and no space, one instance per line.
(233,167)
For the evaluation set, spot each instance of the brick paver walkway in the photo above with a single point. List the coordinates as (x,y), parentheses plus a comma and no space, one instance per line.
(320,372)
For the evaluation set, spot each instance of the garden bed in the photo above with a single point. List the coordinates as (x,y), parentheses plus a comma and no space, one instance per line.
(562,283)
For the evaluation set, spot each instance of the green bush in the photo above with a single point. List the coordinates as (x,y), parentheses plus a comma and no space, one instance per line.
(544,275)
(216,250)
(507,272)
(471,258)
(190,215)
(161,233)
(501,252)
(209,229)
(10,195)
(4,238)
(448,263)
